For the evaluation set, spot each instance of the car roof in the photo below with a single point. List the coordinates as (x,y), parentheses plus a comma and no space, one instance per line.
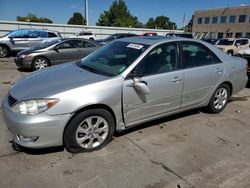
(151,40)
(34,29)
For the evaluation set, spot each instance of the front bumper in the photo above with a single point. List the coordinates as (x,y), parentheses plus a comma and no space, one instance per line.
(23,63)
(49,129)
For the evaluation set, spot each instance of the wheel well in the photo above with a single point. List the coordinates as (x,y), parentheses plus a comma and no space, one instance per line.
(94,106)
(230,87)
(230,51)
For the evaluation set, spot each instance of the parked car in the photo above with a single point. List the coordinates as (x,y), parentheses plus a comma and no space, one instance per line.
(55,52)
(246,54)
(114,37)
(149,34)
(185,35)
(125,83)
(232,46)
(85,35)
(211,41)
(18,40)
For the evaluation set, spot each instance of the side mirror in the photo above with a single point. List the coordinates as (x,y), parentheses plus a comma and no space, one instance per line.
(56,49)
(141,86)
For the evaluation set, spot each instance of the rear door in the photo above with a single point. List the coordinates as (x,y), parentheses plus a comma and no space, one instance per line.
(202,72)
(36,37)
(159,72)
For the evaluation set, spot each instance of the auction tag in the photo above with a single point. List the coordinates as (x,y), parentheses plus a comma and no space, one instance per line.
(135,46)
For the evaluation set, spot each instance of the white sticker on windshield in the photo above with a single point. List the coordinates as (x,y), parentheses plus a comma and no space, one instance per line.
(135,46)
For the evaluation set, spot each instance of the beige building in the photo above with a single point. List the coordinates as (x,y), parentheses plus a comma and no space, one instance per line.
(223,22)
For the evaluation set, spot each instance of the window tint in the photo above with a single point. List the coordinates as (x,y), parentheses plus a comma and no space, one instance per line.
(242,18)
(161,59)
(70,44)
(215,20)
(51,35)
(232,19)
(20,34)
(223,19)
(87,44)
(38,34)
(194,55)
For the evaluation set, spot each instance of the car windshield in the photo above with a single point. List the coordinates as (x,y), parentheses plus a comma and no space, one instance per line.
(113,59)
(110,37)
(226,42)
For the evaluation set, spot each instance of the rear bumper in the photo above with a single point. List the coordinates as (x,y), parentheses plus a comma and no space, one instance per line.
(49,129)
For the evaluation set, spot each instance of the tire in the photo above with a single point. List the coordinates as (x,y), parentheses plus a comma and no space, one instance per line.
(92,39)
(219,99)
(4,51)
(231,53)
(40,63)
(89,130)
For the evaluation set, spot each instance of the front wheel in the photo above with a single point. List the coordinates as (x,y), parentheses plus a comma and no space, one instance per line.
(40,63)
(89,130)
(219,99)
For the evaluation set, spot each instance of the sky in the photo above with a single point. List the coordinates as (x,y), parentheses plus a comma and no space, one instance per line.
(61,10)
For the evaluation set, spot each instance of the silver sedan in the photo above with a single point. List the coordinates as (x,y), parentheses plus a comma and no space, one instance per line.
(125,83)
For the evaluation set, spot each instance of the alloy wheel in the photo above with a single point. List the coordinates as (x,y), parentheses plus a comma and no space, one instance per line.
(220,98)
(3,51)
(40,63)
(92,132)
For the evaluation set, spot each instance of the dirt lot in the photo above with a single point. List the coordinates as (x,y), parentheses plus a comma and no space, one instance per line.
(193,149)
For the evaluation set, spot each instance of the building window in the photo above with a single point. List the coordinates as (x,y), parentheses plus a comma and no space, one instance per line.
(242,18)
(232,19)
(220,35)
(248,35)
(207,20)
(223,19)
(199,21)
(215,20)
(238,35)
(229,35)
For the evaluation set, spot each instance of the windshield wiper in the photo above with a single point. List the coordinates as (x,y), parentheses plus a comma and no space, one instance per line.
(83,66)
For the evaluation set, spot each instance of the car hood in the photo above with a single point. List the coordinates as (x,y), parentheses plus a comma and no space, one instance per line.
(53,80)
(31,50)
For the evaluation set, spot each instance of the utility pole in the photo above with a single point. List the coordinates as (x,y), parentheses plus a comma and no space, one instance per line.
(86,12)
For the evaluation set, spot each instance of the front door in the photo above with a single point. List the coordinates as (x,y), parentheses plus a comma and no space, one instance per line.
(158,71)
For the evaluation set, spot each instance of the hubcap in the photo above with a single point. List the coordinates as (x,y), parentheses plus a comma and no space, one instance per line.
(3,52)
(220,98)
(40,64)
(91,132)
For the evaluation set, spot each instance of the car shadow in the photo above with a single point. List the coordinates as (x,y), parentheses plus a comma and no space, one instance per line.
(248,85)
(158,122)
(24,70)
(41,151)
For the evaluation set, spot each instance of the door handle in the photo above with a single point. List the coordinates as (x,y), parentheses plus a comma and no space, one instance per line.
(218,70)
(176,79)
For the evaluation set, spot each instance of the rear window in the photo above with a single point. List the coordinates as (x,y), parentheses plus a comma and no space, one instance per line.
(51,35)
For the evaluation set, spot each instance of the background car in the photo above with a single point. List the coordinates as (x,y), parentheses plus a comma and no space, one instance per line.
(246,54)
(232,46)
(185,35)
(128,82)
(85,35)
(55,52)
(149,34)
(22,39)
(114,37)
(211,41)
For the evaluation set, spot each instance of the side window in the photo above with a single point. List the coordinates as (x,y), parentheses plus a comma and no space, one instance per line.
(195,55)
(51,35)
(87,44)
(244,42)
(20,34)
(161,59)
(70,44)
(38,34)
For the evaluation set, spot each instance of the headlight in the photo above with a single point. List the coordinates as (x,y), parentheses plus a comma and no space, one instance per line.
(33,107)
(22,56)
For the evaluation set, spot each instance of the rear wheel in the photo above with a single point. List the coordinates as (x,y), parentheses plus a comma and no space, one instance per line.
(219,99)
(4,51)
(40,63)
(89,130)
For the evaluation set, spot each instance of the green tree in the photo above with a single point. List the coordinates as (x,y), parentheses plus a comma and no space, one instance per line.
(77,19)
(160,22)
(118,15)
(33,18)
